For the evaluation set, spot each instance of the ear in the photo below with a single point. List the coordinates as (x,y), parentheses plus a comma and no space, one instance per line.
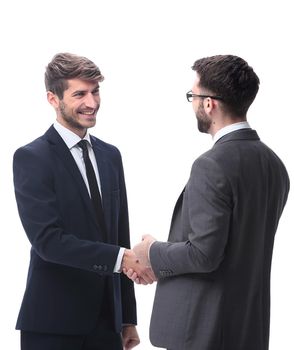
(209,105)
(53,99)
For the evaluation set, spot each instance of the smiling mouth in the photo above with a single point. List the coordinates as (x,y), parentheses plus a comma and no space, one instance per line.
(89,113)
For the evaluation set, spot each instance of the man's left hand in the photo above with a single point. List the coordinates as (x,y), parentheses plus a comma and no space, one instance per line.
(130,337)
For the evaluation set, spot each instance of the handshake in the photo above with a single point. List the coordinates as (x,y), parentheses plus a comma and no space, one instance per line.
(136,264)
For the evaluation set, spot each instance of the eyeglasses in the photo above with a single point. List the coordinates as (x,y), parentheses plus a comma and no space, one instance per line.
(190,96)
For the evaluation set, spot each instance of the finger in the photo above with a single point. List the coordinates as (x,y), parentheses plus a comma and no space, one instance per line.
(145,277)
(147,274)
(142,281)
(151,275)
(130,272)
(131,344)
(133,277)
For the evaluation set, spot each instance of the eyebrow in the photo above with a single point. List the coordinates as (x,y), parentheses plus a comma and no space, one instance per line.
(97,87)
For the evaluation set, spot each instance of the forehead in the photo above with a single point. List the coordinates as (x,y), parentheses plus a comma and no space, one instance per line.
(81,85)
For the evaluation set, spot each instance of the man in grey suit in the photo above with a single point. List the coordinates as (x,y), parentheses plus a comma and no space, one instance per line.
(213,290)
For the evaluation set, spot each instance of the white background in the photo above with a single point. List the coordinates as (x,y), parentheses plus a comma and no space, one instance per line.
(145,50)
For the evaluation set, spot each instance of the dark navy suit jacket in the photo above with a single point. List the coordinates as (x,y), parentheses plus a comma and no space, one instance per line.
(70,266)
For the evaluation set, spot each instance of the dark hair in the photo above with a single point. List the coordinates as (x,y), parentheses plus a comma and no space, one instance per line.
(231,78)
(65,66)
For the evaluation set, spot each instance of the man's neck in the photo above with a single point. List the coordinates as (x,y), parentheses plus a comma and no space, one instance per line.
(81,132)
(222,122)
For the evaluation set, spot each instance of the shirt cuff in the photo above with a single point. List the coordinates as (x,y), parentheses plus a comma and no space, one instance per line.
(117,266)
(149,251)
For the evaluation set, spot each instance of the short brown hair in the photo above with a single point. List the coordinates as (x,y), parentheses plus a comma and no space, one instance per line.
(65,66)
(231,78)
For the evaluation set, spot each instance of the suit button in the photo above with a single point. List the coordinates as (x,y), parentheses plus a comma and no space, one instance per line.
(97,267)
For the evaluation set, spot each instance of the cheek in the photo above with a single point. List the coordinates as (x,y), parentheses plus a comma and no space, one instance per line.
(97,99)
(195,106)
(74,107)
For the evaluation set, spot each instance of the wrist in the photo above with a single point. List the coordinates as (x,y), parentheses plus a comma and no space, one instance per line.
(128,257)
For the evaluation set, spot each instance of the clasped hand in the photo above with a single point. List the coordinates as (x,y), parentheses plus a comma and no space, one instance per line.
(136,264)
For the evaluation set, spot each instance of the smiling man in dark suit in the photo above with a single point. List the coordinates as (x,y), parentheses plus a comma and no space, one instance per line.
(72,202)
(213,289)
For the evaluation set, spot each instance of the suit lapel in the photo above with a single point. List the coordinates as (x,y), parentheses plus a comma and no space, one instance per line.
(61,150)
(105,183)
(178,206)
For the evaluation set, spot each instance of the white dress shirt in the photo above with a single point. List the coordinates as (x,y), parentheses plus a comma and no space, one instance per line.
(71,139)
(229,128)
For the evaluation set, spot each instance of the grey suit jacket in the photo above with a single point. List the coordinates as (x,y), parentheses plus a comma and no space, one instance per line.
(213,291)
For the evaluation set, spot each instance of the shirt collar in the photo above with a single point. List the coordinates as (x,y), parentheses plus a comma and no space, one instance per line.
(229,128)
(69,137)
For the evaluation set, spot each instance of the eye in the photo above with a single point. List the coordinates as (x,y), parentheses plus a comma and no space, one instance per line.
(79,94)
(95,91)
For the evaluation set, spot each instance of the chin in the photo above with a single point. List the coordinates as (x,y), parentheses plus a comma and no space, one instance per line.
(89,124)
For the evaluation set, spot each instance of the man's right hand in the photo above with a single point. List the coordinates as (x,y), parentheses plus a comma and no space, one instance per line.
(130,262)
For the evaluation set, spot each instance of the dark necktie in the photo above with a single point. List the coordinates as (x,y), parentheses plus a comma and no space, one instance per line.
(94,190)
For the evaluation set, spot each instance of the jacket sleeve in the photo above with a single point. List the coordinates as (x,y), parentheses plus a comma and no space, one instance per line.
(38,209)
(206,214)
